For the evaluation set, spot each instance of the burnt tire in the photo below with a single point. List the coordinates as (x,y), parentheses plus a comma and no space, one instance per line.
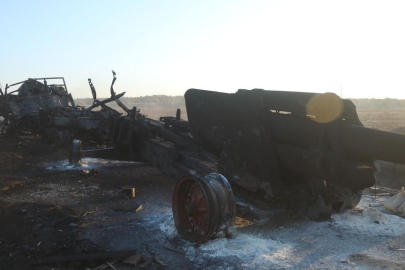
(203,208)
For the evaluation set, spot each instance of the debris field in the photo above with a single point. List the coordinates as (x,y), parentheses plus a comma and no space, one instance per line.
(256,179)
(52,210)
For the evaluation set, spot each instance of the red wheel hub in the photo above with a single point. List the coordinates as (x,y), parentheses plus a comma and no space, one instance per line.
(200,206)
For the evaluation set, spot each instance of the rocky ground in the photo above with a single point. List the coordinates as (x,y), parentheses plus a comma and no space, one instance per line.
(48,208)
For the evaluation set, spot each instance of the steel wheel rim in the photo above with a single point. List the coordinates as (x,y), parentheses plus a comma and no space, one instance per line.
(195,209)
(203,208)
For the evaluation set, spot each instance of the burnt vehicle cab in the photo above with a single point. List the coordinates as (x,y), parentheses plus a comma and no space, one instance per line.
(38,107)
(24,106)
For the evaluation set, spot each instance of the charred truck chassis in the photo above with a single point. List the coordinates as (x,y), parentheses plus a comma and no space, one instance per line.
(253,154)
(50,110)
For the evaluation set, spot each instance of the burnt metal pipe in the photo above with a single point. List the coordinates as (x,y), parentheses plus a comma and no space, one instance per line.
(100,103)
(359,143)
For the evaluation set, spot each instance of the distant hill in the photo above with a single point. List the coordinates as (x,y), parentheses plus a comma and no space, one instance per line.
(385,114)
(387,103)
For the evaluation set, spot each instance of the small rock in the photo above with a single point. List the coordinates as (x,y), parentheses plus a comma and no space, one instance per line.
(72,224)
(133,260)
(21,144)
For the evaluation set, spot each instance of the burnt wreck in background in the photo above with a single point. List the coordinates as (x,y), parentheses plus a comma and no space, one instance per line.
(37,107)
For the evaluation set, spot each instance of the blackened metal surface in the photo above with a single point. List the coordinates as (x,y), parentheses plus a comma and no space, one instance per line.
(303,153)
(38,107)
(361,143)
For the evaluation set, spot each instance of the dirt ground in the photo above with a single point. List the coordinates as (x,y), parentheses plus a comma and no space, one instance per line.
(49,208)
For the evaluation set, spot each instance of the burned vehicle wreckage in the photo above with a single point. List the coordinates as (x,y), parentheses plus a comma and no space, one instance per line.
(50,110)
(254,154)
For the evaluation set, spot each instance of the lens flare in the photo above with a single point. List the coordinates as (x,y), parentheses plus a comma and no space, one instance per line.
(324,108)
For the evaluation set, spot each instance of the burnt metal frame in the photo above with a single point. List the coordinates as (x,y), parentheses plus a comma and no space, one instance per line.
(37,79)
(74,120)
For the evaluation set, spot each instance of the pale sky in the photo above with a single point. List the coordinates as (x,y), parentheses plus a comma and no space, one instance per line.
(167,47)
